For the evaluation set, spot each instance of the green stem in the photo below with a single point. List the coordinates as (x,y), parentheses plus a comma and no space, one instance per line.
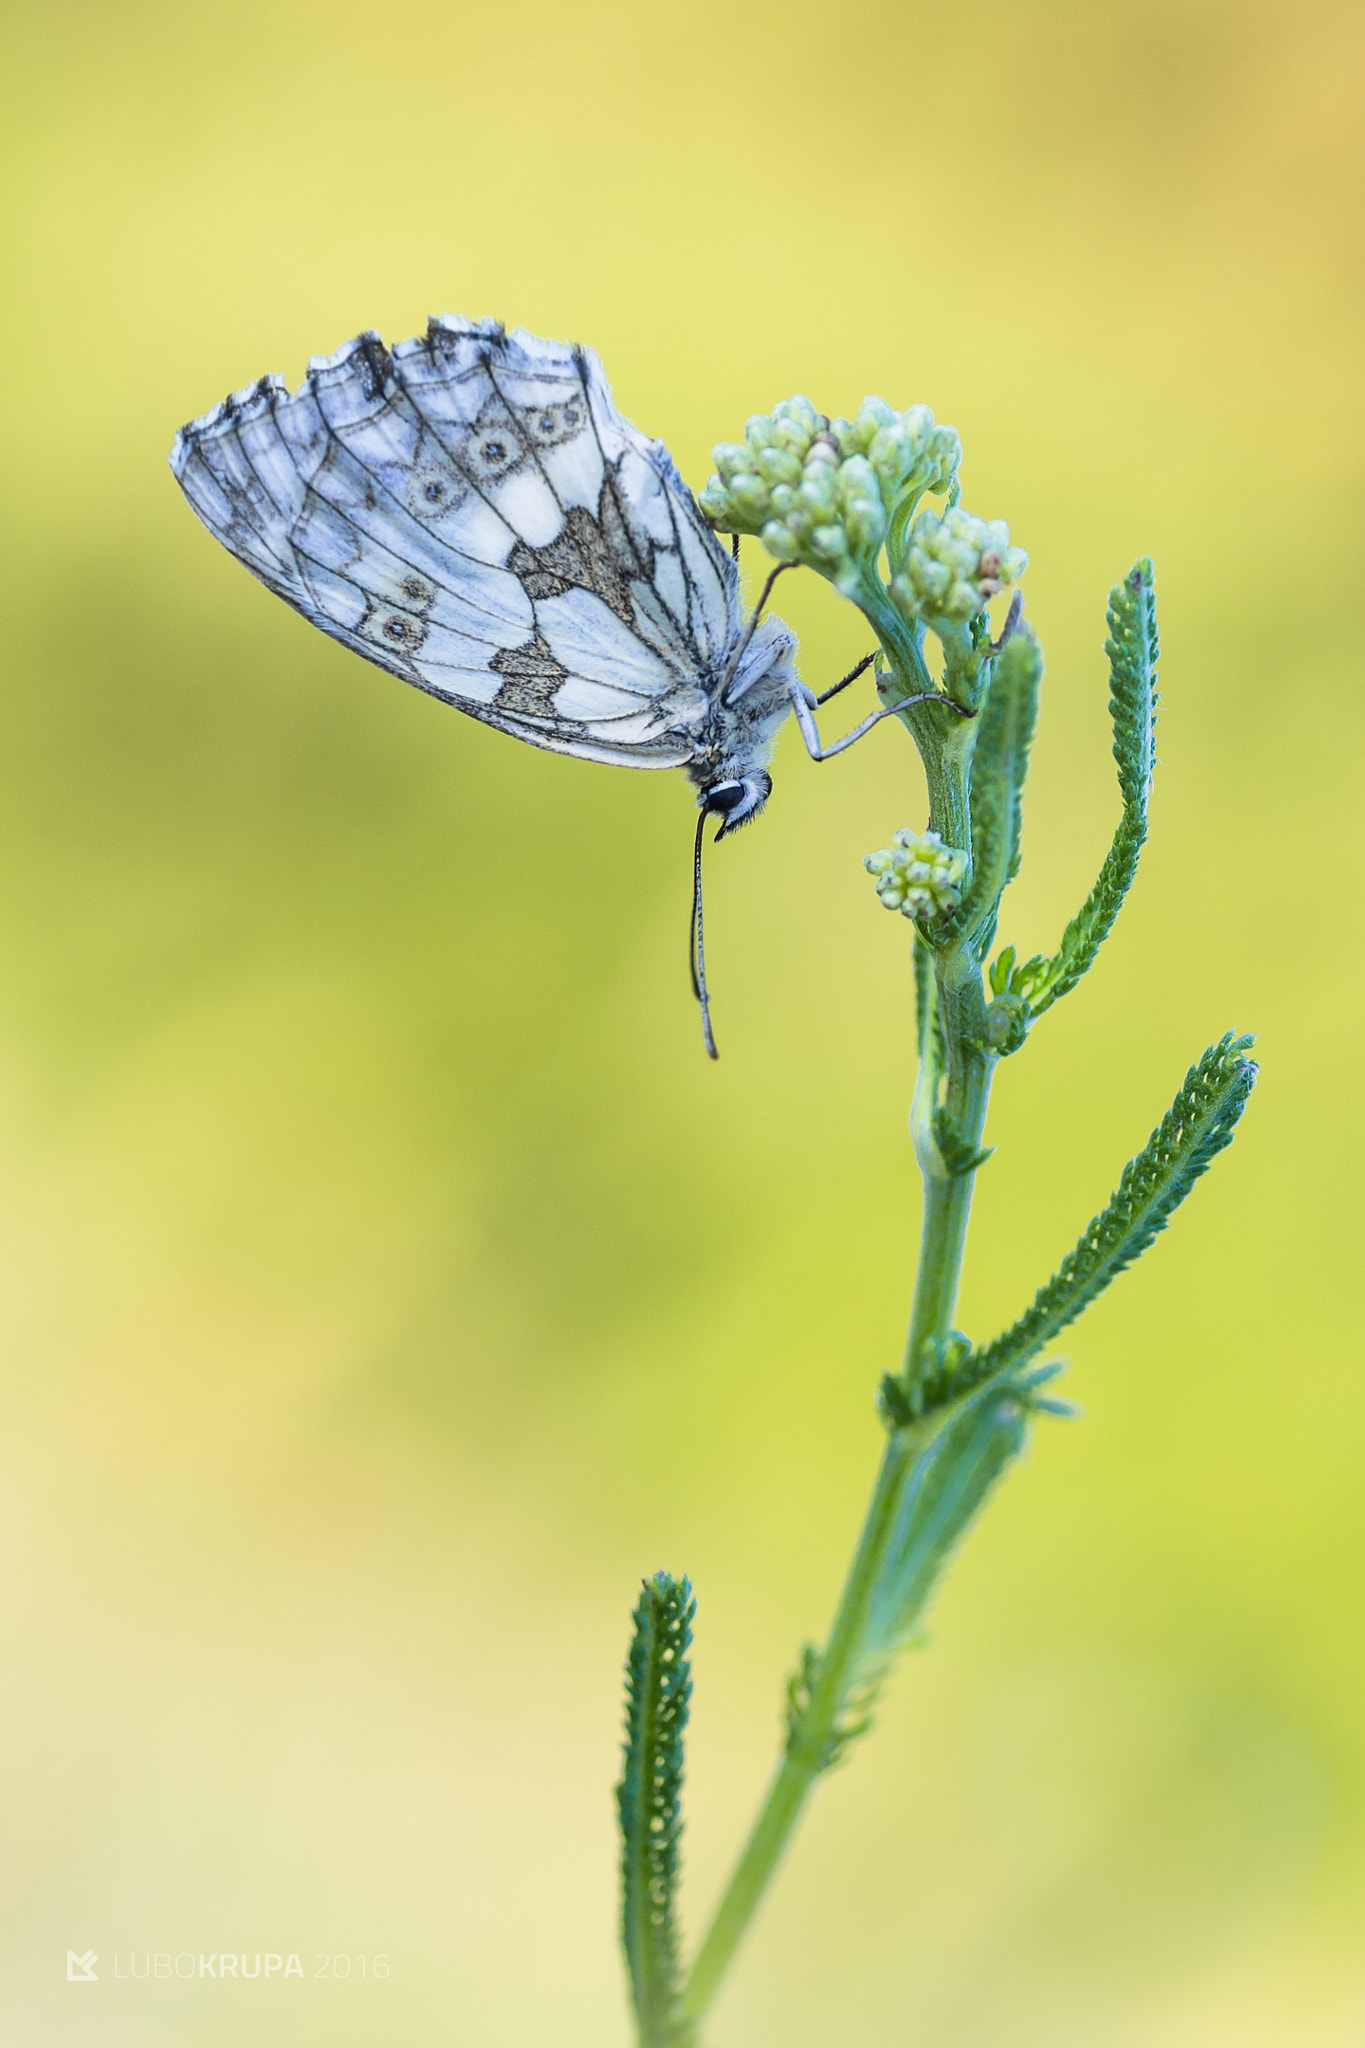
(947,1205)
(968,1066)
(945,739)
(807,1754)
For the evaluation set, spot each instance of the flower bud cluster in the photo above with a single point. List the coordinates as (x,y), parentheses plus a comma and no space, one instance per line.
(826,492)
(918,875)
(954,563)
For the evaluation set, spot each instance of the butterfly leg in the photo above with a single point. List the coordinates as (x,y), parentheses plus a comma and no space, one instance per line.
(801,705)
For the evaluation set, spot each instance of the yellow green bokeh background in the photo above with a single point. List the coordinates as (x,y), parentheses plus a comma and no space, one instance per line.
(391,1283)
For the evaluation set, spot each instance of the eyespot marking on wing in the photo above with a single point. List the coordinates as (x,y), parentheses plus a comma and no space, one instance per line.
(547,426)
(493,451)
(396,632)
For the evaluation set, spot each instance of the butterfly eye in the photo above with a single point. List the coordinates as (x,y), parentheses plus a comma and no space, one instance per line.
(724,796)
(738,801)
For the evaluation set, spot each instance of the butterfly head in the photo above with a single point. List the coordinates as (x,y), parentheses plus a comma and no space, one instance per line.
(737,799)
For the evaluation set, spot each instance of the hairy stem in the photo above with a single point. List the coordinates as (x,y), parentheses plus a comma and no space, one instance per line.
(968,1066)
(807,1756)
(947,1205)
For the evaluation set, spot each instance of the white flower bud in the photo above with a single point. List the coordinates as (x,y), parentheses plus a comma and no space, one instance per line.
(918,875)
(781,544)
(827,492)
(819,492)
(865,524)
(857,479)
(749,496)
(714,500)
(778,466)
(954,564)
(799,412)
(890,455)
(873,415)
(730,459)
(791,435)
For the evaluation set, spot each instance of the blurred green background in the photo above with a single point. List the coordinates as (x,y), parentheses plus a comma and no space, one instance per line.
(391,1282)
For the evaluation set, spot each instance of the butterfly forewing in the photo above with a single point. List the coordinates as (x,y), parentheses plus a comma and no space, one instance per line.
(472,513)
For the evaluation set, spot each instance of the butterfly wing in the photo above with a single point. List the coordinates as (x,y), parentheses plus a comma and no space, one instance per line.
(472,513)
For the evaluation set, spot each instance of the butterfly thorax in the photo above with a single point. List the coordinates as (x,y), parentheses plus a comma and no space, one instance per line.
(747,703)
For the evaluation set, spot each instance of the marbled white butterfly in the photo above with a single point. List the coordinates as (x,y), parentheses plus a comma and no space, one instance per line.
(471,512)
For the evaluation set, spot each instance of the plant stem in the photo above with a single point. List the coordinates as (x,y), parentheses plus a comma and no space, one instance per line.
(968,1067)
(947,1205)
(806,1757)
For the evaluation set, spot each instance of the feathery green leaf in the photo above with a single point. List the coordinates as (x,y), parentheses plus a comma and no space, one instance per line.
(949,1486)
(958,1156)
(649,1804)
(1132,650)
(951,1483)
(1194,1130)
(999,766)
(853,1719)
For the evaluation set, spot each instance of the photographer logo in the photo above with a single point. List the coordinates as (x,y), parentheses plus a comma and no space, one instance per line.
(161,1966)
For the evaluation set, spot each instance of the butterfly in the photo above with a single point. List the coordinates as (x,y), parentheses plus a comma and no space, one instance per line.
(470,511)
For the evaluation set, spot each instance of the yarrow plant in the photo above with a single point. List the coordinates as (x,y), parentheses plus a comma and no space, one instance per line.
(470,512)
(845,498)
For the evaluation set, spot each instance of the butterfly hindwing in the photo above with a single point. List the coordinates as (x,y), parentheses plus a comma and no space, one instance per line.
(472,513)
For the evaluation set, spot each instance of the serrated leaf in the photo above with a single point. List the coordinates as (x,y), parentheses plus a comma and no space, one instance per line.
(958,1156)
(1194,1130)
(1132,649)
(951,1484)
(649,1805)
(999,767)
(853,1719)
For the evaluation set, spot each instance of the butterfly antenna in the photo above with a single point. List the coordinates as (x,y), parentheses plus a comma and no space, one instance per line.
(696,946)
(754,617)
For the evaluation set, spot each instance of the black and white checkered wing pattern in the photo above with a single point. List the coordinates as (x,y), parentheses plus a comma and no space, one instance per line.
(472,513)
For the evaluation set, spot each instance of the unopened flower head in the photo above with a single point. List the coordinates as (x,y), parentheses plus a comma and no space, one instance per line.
(954,564)
(918,875)
(827,492)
